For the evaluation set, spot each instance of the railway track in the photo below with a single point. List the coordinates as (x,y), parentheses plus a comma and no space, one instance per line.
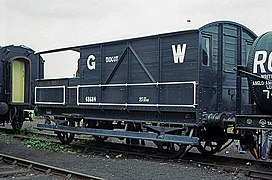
(17,168)
(250,168)
(259,174)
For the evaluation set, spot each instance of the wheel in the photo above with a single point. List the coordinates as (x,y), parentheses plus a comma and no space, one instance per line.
(100,138)
(211,140)
(172,150)
(16,125)
(17,120)
(97,125)
(209,147)
(134,141)
(136,128)
(66,137)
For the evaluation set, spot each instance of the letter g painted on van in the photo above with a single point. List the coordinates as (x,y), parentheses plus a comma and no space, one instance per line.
(91,62)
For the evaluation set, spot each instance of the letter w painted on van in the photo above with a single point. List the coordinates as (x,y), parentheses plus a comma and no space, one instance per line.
(178,53)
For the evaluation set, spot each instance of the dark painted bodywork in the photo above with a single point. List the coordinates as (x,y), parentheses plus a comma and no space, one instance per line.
(34,69)
(138,80)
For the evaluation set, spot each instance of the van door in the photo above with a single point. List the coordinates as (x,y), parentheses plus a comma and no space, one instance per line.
(18,81)
(231,58)
(208,78)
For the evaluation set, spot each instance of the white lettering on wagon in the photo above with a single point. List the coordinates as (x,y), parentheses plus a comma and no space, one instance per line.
(111,59)
(260,59)
(178,53)
(143,99)
(262,64)
(91,62)
(90,99)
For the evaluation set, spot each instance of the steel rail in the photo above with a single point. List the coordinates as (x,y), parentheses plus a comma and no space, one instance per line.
(46,168)
(247,172)
(259,174)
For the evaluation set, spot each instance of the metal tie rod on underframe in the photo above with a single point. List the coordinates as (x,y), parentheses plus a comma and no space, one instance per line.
(124,134)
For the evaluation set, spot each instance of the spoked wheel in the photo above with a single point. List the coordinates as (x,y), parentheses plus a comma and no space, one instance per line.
(17,119)
(136,128)
(209,147)
(98,125)
(172,150)
(100,138)
(66,137)
(211,140)
(101,125)
(16,125)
